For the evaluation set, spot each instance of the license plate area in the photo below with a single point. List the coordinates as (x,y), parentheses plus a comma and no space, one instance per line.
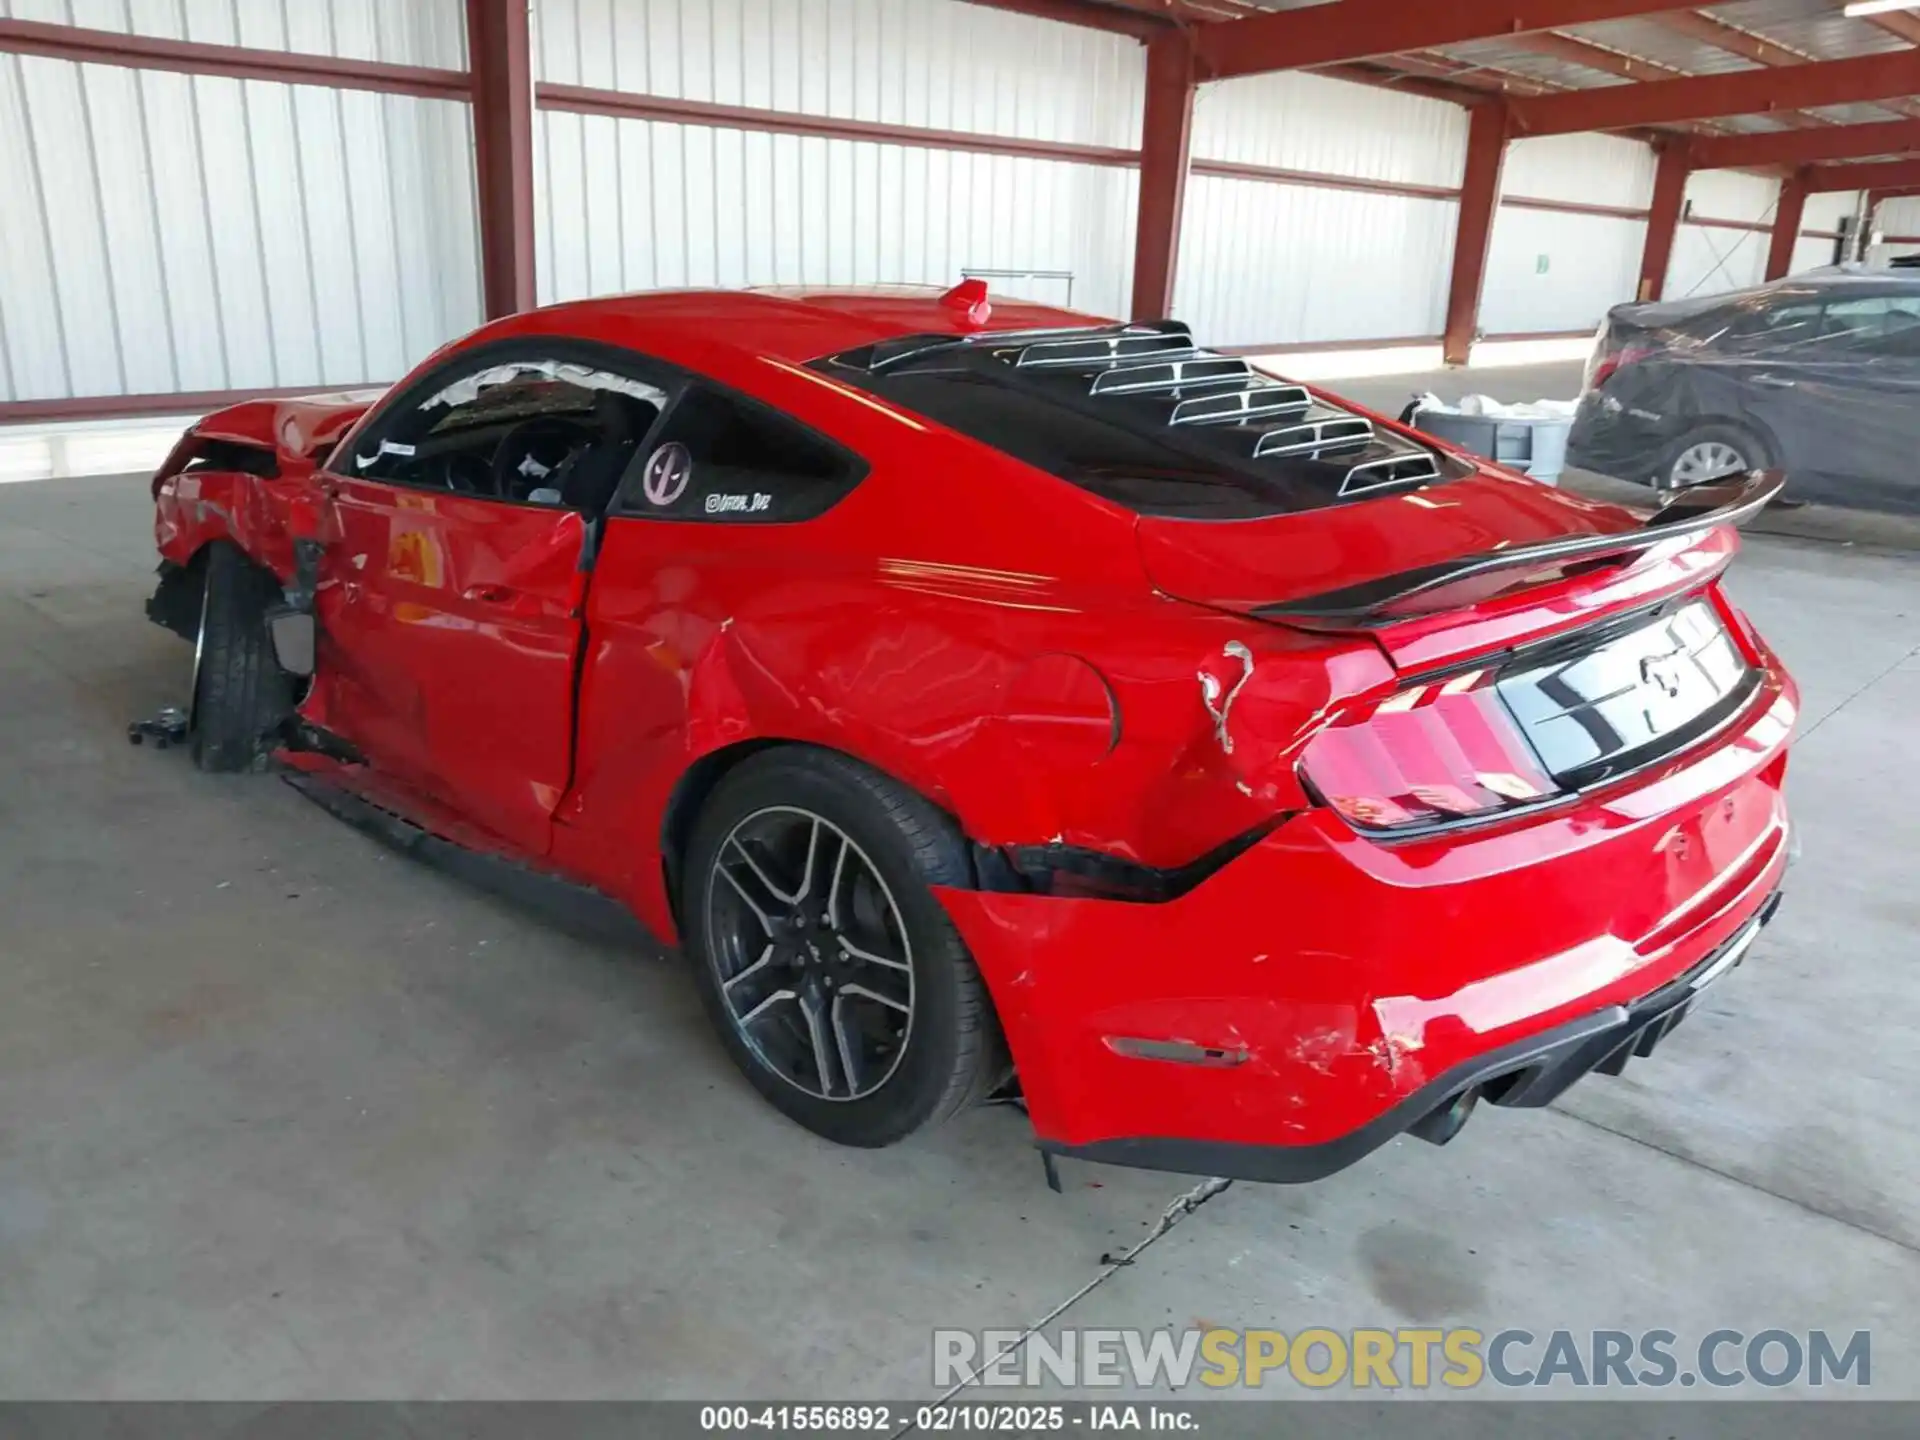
(1630,698)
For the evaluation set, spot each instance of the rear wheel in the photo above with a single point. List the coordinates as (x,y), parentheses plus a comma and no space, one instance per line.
(837,983)
(240,694)
(1711,453)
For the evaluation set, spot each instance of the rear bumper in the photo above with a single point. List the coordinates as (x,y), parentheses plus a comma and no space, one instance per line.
(1524,1074)
(1323,993)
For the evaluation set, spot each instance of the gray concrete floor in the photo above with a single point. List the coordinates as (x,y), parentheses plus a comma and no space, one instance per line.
(283,1114)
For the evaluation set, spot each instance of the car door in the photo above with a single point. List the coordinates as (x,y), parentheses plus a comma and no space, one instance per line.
(1767,373)
(1867,403)
(712,518)
(454,583)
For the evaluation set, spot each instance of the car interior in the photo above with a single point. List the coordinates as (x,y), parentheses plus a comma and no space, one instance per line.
(533,435)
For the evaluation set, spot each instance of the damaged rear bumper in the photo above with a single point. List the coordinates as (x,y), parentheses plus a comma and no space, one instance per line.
(1525,1074)
(1322,992)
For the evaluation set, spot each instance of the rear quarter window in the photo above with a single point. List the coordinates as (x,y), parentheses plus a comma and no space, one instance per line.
(724,458)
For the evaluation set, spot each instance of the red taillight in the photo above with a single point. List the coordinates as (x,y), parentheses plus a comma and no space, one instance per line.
(1439,751)
(1605,365)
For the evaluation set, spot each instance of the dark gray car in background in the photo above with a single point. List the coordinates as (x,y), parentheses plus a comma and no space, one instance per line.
(1817,375)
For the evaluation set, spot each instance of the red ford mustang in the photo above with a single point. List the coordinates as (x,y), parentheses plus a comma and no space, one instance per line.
(989,698)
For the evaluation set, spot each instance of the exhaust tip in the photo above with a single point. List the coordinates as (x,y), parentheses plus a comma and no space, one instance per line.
(1439,1126)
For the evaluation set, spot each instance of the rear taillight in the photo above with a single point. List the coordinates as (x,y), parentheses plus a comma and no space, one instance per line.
(1436,752)
(1604,366)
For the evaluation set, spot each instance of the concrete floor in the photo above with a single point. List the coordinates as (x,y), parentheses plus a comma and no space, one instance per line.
(283,1114)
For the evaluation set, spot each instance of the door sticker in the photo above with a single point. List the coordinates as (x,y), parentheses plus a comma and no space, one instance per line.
(669,469)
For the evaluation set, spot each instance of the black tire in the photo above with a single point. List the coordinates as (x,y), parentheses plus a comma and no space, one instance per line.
(240,693)
(1752,451)
(952,1054)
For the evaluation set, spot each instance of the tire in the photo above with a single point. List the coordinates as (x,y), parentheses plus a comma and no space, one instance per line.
(753,833)
(240,693)
(1739,449)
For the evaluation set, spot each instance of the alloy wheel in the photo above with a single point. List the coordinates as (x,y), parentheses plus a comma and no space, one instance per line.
(1708,460)
(810,953)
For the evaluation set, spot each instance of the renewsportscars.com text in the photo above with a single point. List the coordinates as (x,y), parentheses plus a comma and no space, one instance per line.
(1402,1358)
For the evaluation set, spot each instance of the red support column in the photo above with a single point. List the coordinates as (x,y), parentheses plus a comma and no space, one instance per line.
(499,58)
(1165,134)
(1786,224)
(1663,220)
(1479,195)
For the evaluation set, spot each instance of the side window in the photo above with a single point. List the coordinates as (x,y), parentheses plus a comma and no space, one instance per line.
(726,458)
(1783,325)
(1856,324)
(534,431)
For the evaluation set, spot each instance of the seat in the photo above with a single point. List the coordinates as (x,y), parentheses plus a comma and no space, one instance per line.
(590,482)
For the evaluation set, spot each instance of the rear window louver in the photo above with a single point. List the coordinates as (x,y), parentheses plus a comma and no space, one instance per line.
(1315,437)
(1151,378)
(1236,407)
(1171,375)
(1108,349)
(1416,468)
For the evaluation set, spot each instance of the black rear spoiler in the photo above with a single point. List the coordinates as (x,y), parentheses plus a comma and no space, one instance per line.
(1384,601)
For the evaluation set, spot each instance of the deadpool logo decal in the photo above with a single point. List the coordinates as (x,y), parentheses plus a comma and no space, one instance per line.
(668,470)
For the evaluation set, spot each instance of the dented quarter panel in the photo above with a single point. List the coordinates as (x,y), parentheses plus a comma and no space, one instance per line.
(1350,973)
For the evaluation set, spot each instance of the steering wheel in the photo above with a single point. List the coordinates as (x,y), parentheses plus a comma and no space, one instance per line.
(466,475)
(548,441)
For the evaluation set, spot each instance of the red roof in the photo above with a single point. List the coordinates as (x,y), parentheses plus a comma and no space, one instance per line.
(791,324)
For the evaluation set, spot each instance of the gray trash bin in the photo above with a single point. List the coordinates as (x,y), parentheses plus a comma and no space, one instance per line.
(1535,444)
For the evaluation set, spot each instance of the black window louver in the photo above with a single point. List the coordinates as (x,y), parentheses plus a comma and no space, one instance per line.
(1205,411)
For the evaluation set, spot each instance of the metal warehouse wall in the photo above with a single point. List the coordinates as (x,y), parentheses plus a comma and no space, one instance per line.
(1899,222)
(1823,212)
(1264,261)
(1552,270)
(1707,258)
(166,232)
(632,204)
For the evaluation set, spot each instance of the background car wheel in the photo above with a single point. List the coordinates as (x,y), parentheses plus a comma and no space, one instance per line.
(835,979)
(1713,451)
(240,693)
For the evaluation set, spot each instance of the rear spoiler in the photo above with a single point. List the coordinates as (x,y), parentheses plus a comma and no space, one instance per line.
(1388,599)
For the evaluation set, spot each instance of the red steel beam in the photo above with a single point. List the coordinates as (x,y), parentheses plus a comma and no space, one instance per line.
(499,52)
(624,104)
(1730,38)
(1479,196)
(1092,14)
(1887,175)
(1786,224)
(236,62)
(1595,57)
(1663,219)
(1362,29)
(1804,147)
(1702,97)
(1896,23)
(1166,135)
(1749,46)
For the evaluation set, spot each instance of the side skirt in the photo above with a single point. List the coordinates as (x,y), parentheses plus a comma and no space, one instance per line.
(579,910)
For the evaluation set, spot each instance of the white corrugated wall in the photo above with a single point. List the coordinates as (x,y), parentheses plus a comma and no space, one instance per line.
(1710,259)
(633,204)
(166,232)
(1550,270)
(1272,263)
(1899,219)
(1823,212)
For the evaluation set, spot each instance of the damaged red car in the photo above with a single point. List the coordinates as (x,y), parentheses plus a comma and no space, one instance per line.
(989,699)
